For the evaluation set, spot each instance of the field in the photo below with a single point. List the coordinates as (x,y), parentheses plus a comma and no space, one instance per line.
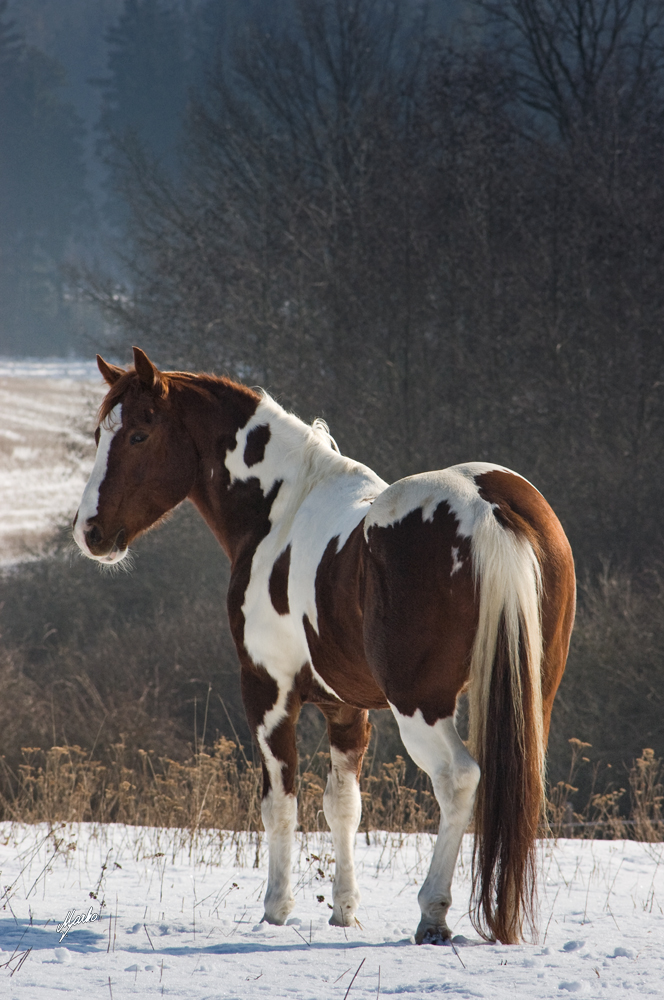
(181,917)
(180,911)
(46,448)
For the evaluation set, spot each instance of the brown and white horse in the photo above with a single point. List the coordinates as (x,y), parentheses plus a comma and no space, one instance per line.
(353,594)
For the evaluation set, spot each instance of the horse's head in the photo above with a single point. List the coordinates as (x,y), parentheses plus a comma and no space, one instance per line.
(145,463)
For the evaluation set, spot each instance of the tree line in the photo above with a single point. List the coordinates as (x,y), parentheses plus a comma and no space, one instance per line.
(448,243)
(42,192)
(72,75)
(450,251)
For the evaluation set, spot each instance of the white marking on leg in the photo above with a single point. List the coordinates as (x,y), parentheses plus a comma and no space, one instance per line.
(439,751)
(89,505)
(279,814)
(342,805)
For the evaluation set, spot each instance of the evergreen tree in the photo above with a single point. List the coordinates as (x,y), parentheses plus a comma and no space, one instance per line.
(144,96)
(42,195)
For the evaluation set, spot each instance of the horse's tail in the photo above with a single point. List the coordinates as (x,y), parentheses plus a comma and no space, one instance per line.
(506,725)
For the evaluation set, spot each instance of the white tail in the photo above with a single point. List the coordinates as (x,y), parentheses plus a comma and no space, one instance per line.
(508,576)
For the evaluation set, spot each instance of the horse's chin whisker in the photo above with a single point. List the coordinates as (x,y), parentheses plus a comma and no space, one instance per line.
(124,565)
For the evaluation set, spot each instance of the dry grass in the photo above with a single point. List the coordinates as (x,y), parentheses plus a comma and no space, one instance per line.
(614,812)
(220,788)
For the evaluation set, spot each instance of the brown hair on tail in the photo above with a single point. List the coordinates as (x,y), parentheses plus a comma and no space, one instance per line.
(507,734)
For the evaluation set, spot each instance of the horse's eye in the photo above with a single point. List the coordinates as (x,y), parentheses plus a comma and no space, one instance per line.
(137,438)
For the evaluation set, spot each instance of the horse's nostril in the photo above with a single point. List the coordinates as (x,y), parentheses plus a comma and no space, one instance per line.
(93,536)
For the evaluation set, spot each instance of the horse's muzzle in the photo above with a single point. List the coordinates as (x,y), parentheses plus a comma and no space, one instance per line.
(101,548)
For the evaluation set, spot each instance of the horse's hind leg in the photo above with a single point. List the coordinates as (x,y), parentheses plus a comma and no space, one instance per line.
(349,732)
(439,750)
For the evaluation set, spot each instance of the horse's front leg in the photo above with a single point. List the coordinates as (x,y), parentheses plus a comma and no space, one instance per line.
(274,732)
(349,732)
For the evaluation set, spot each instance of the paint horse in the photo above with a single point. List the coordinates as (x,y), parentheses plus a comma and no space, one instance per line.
(356,595)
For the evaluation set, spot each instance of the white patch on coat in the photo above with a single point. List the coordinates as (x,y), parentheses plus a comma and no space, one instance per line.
(322,495)
(456,562)
(428,490)
(89,505)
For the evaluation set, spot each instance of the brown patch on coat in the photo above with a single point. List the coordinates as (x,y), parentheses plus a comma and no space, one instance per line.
(283,745)
(349,732)
(337,644)
(254,449)
(259,692)
(247,505)
(278,585)
(420,613)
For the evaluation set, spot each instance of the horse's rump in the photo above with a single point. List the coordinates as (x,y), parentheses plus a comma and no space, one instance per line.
(454,597)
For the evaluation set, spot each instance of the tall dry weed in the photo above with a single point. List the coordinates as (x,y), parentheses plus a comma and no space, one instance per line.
(220,788)
(217,788)
(647,794)
(609,812)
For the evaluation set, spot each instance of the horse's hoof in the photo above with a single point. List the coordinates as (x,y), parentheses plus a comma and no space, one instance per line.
(342,919)
(278,915)
(432,935)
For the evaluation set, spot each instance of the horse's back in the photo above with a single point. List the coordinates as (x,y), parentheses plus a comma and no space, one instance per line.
(424,536)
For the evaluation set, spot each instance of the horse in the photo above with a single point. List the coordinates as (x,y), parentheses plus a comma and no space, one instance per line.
(355,595)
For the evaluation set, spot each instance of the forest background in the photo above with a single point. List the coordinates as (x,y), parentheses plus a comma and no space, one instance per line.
(440,226)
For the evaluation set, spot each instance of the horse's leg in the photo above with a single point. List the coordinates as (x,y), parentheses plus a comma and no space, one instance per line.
(349,732)
(274,732)
(439,750)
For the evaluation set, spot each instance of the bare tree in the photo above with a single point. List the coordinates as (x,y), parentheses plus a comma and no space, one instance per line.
(380,230)
(576,60)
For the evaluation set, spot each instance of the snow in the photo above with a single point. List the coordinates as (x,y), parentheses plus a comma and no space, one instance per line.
(180,917)
(47,410)
(74,369)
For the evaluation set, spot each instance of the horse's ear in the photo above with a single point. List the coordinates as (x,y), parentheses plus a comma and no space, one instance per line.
(111,373)
(148,374)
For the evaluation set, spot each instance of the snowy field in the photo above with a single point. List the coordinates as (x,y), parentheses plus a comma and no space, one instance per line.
(47,412)
(183,922)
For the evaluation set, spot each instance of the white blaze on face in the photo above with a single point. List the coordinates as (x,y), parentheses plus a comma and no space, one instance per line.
(90,501)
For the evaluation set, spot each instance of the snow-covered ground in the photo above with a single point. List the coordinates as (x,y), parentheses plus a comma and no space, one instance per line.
(46,447)
(184,921)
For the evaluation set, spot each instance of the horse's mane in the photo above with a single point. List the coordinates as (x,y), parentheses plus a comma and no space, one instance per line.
(201,383)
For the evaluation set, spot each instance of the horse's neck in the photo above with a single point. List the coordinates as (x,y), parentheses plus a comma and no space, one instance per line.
(255,469)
